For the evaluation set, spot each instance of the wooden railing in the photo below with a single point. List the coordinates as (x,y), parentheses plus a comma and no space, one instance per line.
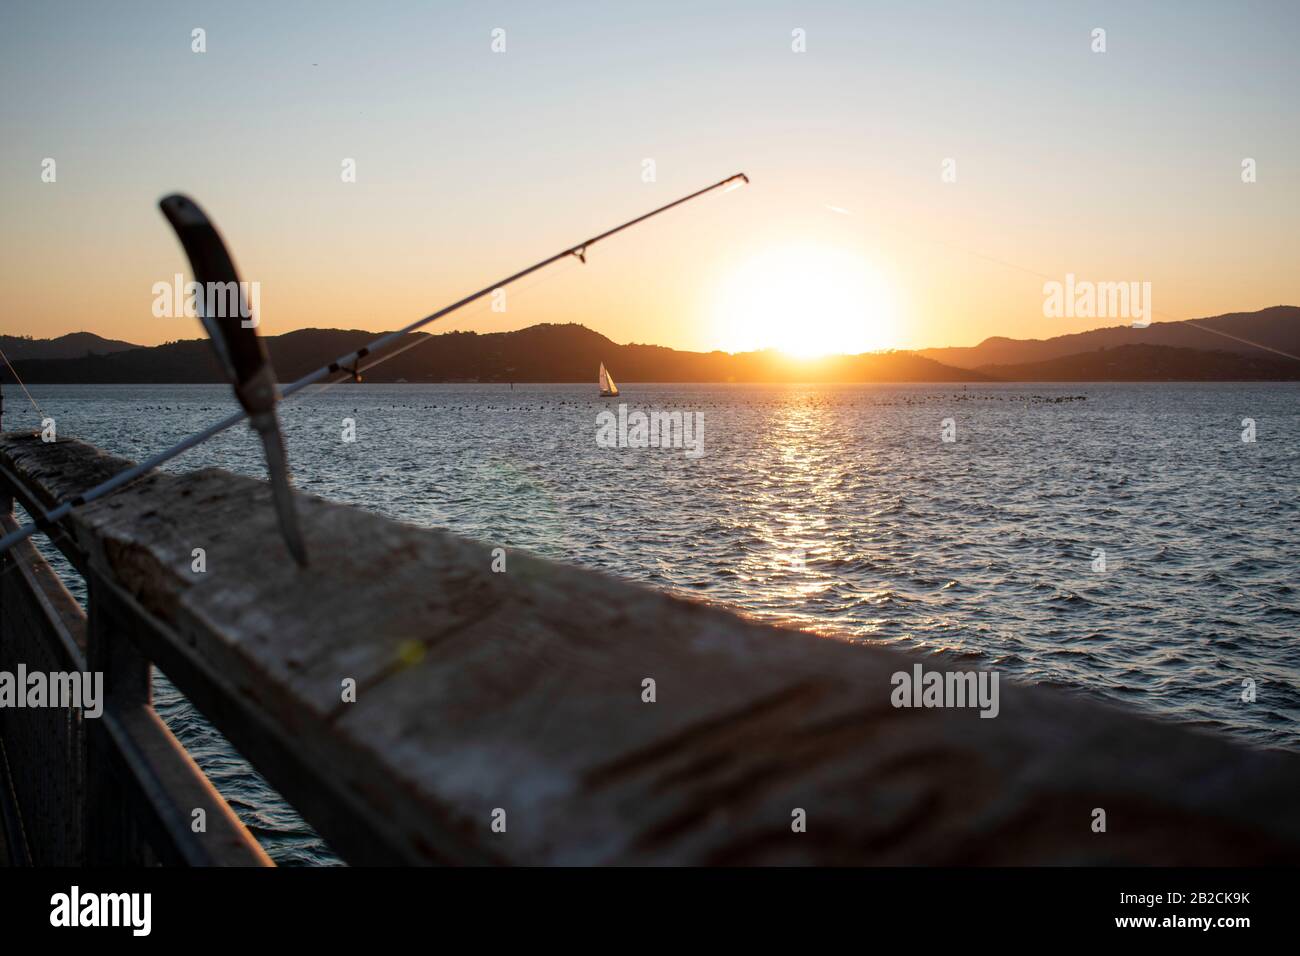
(108,790)
(418,703)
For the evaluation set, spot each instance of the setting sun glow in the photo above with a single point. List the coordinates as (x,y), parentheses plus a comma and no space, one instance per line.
(805,301)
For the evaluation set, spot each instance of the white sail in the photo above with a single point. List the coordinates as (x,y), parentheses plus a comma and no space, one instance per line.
(607,386)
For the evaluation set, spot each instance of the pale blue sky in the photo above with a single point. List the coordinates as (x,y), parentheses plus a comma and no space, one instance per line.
(470,164)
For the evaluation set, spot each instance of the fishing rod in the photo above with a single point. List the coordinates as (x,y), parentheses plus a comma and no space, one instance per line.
(349,364)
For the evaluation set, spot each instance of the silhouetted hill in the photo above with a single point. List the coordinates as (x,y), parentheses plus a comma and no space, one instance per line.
(1277,327)
(72,345)
(572,353)
(540,353)
(1152,363)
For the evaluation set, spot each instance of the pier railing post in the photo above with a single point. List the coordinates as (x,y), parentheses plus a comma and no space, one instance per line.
(112,834)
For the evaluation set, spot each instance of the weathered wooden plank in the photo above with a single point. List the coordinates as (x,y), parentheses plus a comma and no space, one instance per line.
(42,605)
(95,790)
(43,629)
(521,691)
(35,503)
(143,789)
(320,797)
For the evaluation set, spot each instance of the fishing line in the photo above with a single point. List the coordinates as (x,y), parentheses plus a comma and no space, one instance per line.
(343,364)
(18,379)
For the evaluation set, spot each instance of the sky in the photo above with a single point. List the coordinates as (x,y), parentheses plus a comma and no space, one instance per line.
(1122,165)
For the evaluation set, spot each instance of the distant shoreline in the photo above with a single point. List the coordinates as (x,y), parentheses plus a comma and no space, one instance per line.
(791,384)
(1259,346)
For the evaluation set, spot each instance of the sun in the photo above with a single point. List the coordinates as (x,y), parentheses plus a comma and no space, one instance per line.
(806,301)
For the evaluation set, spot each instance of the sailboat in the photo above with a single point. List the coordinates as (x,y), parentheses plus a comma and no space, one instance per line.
(607,387)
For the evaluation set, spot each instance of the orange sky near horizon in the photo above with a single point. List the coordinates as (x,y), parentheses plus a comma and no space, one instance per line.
(471,165)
